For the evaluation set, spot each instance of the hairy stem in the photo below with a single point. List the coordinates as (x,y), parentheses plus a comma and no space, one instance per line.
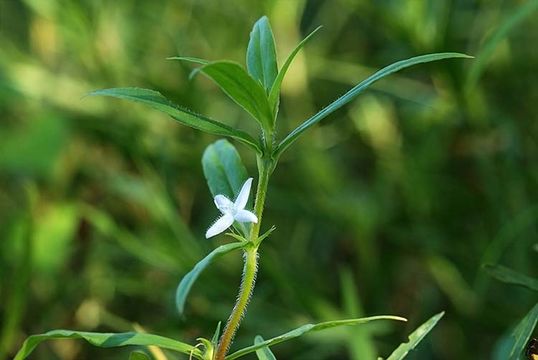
(250,269)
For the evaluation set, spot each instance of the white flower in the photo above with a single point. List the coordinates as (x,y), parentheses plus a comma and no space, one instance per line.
(232,211)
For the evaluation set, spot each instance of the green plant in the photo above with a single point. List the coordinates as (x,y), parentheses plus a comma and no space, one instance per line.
(257,91)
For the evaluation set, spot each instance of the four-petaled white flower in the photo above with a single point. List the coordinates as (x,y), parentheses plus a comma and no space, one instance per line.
(232,211)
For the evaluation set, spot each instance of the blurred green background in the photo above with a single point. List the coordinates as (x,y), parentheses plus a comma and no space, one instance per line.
(390,206)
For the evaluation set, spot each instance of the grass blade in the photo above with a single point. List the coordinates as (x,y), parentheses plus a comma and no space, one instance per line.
(261,54)
(188,280)
(523,332)
(157,101)
(189,59)
(415,338)
(510,22)
(509,276)
(263,353)
(108,340)
(306,329)
(274,94)
(352,94)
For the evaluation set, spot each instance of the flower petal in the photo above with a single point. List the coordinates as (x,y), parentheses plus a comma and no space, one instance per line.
(223,203)
(245,216)
(223,223)
(242,198)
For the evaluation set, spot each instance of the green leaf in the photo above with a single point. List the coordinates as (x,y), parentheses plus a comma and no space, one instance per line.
(108,340)
(263,353)
(184,116)
(189,59)
(509,276)
(138,355)
(522,333)
(261,54)
(241,88)
(188,280)
(274,94)
(216,335)
(306,329)
(352,94)
(415,338)
(510,21)
(223,169)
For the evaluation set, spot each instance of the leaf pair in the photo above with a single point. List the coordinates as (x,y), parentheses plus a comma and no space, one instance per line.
(258,90)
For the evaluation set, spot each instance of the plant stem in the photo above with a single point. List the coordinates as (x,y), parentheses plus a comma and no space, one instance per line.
(265,167)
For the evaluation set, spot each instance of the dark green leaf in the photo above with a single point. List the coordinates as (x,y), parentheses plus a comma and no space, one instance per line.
(108,340)
(274,94)
(241,88)
(223,169)
(309,328)
(352,94)
(261,54)
(263,353)
(509,276)
(138,355)
(522,333)
(415,338)
(188,280)
(184,116)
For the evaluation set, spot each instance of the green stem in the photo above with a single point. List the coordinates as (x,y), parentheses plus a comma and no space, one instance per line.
(265,167)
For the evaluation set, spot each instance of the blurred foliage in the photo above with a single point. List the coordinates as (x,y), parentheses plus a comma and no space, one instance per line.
(390,206)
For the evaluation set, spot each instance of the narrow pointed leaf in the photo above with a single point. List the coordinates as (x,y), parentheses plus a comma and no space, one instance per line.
(510,21)
(188,280)
(522,333)
(415,338)
(241,88)
(189,59)
(509,276)
(261,54)
(216,336)
(108,340)
(157,101)
(352,94)
(306,329)
(263,353)
(223,169)
(274,94)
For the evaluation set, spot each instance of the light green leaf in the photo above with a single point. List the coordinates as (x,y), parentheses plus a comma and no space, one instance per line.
(263,353)
(415,338)
(352,94)
(309,328)
(274,94)
(184,116)
(138,355)
(223,169)
(509,276)
(216,335)
(188,280)
(522,333)
(108,340)
(261,54)
(241,88)
(189,59)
